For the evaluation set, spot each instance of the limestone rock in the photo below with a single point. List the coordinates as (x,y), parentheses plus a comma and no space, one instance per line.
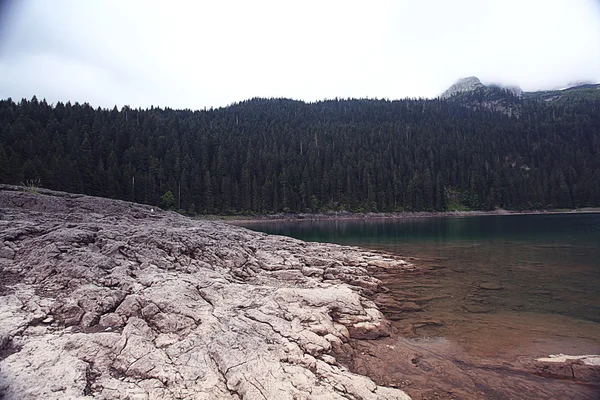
(468,84)
(113,300)
(585,368)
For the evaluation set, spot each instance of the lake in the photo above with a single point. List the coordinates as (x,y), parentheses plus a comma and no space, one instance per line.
(546,263)
(495,287)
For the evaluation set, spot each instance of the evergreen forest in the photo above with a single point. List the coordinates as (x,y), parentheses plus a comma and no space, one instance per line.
(279,155)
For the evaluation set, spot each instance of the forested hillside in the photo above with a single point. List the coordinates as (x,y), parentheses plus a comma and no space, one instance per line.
(272,155)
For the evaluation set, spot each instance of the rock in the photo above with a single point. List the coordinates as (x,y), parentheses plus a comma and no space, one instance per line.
(41,370)
(143,304)
(428,322)
(490,286)
(368,330)
(308,271)
(70,314)
(329,359)
(437,267)
(468,84)
(410,306)
(380,264)
(111,320)
(472,83)
(585,368)
(6,252)
(477,308)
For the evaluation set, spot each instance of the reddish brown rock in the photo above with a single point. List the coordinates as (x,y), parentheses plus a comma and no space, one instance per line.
(490,286)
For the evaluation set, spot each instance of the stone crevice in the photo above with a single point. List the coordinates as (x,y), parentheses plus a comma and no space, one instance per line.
(131,302)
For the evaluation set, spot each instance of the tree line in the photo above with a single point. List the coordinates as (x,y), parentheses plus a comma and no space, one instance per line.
(281,155)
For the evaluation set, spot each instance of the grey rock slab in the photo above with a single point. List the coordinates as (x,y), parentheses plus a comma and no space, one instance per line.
(467,84)
(112,300)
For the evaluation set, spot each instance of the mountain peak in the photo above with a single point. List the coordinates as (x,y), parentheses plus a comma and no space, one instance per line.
(574,84)
(472,83)
(467,84)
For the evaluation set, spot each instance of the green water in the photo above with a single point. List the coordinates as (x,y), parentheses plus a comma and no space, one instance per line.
(544,263)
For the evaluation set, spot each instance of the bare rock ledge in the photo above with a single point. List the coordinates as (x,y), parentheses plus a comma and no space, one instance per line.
(113,300)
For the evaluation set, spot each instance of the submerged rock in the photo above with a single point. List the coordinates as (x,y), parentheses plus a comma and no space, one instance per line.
(477,309)
(490,286)
(585,368)
(113,300)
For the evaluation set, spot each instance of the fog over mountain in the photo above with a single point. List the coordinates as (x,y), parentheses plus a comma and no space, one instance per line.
(210,54)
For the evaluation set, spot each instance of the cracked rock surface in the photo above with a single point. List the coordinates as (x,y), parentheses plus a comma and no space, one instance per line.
(112,300)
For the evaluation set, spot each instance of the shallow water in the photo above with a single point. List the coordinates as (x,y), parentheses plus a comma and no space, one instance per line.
(544,263)
(490,290)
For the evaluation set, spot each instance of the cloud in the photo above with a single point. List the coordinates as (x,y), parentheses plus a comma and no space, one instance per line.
(195,54)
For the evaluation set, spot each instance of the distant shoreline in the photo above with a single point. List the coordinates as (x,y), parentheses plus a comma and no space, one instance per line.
(287,217)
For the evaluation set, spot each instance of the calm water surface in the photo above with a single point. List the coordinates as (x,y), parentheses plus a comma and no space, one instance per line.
(489,290)
(545,263)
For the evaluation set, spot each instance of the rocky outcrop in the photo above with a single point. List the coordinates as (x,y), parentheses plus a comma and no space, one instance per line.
(113,300)
(473,84)
(471,93)
(584,368)
(468,84)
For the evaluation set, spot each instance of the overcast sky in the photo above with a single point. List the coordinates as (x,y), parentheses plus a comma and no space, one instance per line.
(196,54)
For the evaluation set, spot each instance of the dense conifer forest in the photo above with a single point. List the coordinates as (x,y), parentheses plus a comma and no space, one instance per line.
(474,151)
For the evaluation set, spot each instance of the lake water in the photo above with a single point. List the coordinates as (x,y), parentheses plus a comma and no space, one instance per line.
(548,263)
(498,288)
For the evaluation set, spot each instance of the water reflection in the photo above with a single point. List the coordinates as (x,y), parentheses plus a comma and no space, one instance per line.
(544,263)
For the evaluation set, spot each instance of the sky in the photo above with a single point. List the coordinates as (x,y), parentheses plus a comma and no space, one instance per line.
(203,54)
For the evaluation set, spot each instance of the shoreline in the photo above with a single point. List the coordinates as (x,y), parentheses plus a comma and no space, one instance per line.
(108,299)
(241,306)
(383,215)
(474,342)
(411,361)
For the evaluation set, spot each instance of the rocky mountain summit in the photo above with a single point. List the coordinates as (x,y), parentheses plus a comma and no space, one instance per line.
(574,92)
(113,300)
(468,84)
(471,88)
(471,93)
(473,84)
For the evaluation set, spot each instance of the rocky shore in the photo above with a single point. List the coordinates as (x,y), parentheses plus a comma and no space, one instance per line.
(345,215)
(112,300)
